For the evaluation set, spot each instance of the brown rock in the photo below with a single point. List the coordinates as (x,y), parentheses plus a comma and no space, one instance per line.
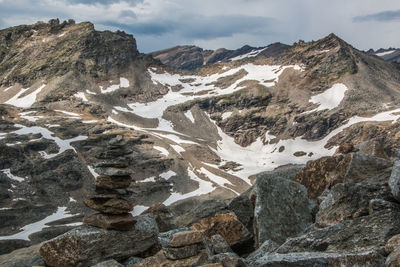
(325,172)
(393,243)
(345,148)
(116,182)
(186,238)
(86,246)
(160,260)
(122,222)
(227,225)
(109,204)
(393,260)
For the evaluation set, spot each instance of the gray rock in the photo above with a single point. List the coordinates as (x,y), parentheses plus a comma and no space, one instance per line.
(165,237)
(394,180)
(351,200)
(217,245)
(282,207)
(380,204)
(27,262)
(85,246)
(318,259)
(228,259)
(132,261)
(244,210)
(350,236)
(182,252)
(147,223)
(109,263)
(267,247)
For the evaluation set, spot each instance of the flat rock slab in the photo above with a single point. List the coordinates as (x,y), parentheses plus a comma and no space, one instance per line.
(109,205)
(117,182)
(317,259)
(123,222)
(227,225)
(86,246)
(186,238)
(182,252)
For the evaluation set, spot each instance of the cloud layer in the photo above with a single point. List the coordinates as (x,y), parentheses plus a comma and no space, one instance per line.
(158,24)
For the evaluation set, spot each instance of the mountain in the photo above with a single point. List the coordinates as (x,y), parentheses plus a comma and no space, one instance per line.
(193,57)
(390,54)
(88,122)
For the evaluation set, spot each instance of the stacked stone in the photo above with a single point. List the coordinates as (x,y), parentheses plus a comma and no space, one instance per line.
(113,209)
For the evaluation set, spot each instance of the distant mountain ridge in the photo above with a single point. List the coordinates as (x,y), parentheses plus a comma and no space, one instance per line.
(388,54)
(190,57)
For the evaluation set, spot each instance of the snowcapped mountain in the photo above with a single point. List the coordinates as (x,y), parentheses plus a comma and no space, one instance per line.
(390,54)
(192,57)
(68,92)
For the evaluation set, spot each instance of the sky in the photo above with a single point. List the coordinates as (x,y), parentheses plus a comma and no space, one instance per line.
(212,24)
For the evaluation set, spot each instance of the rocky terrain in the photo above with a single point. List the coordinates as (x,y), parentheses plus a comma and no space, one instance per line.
(193,57)
(283,160)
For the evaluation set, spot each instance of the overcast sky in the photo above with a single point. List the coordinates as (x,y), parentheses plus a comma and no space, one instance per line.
(159,24)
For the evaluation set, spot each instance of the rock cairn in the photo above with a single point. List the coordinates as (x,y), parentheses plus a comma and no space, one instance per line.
(113,209)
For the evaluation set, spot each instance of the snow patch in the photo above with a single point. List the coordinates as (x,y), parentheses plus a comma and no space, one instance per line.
(93,172)
(12,176)
(167,175)
(123,83)
(138,209)
(385,53)
(25,101)
(178,149)
(38,226)
(189,115)
(162,150)
(226,115)
(329,99)
(82,96)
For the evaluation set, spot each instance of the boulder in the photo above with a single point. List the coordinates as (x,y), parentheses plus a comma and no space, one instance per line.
(109,204)
(244,210)
(86,245)
(365,233)
(182,252)
(186,238)
(282,207)
(393,243)
(163,215)
(267,247)
(351,200)
(109,263)
(165,237)
(228,260)
(394,180)
(108,182)
(146,223)
(123,222)
(227,225)
(188,213)
(23,257)
(316,259)
(217,245)
(324,173)
(373,148)
(161,260)
(132,261)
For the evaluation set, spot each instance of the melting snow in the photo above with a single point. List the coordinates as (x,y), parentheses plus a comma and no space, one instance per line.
(68,113)
(162,150)
(82,96)
(25,116)
(93,172)
(253,53)
(90,92)
(189,115)
(167,175)
(25,101)
(226,115)
(205,187)
(62,144)
(38,226)
(330,98)
(12,176)
(123,83)
(178,149)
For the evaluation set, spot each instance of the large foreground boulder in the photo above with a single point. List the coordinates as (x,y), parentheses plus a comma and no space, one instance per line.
(282,207)
(86,246)
(318,259)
